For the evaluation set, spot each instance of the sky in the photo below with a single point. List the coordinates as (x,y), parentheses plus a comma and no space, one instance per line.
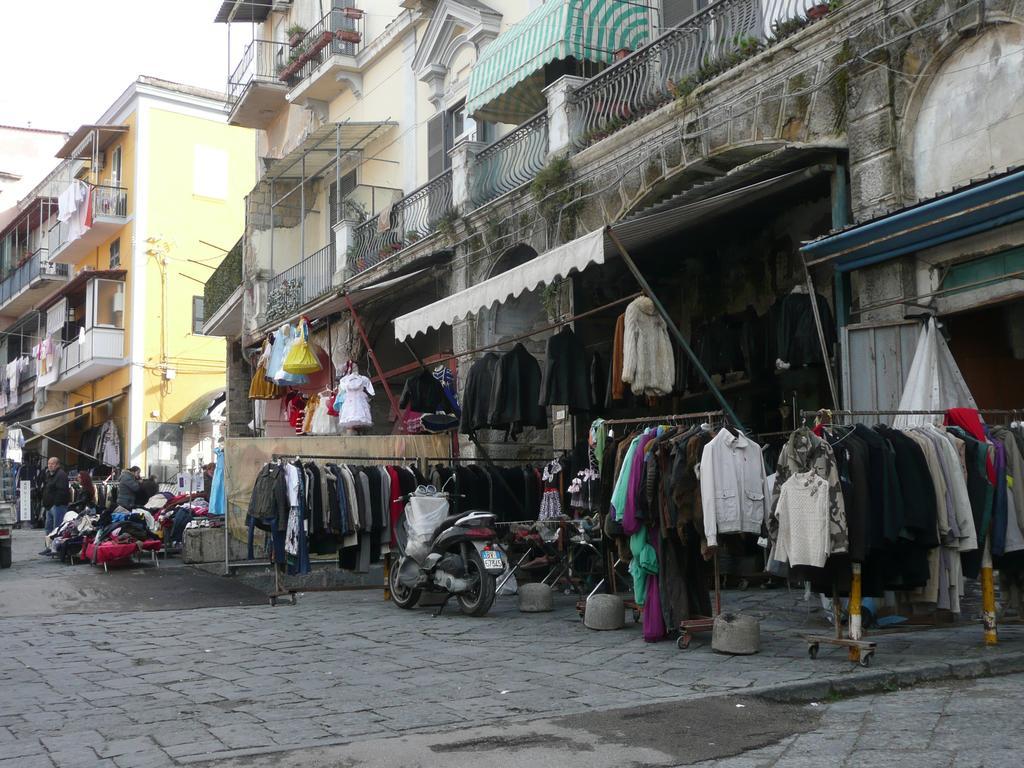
(63,62)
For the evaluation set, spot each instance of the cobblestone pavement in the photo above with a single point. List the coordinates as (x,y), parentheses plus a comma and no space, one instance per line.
(966,724)
(157,688)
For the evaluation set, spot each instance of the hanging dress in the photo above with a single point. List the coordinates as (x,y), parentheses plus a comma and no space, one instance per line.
(323,423)
(217,500)
(261,387)
(283,340)
(355,410)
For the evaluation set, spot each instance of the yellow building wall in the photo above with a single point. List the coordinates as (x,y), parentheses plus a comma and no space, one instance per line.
(196,231)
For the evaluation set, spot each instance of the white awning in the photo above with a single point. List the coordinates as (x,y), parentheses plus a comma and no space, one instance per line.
(554,264)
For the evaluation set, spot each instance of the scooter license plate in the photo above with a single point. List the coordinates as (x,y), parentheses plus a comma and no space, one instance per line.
(493,561)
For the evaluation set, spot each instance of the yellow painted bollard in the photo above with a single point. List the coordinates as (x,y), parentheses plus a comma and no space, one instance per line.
(856,630)
(988,597)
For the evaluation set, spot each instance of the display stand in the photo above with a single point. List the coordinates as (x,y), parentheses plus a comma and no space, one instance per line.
(854,640)
(281,589)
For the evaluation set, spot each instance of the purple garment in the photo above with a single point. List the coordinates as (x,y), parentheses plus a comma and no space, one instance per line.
(636,471)
(1000,504)
(653,618)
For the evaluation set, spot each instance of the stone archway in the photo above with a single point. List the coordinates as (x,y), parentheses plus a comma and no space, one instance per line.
(970,114)
(519,314)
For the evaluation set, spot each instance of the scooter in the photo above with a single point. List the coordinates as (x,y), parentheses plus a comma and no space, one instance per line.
(438,552)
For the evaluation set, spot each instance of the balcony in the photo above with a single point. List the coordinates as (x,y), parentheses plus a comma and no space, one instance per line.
(704,46)
(109,214)
(511,161)
(255,93)
(31,282)
(325,57)
(414,217)
(97,352)
(297,286)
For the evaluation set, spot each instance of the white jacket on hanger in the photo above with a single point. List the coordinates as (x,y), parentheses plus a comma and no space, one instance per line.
(733,486)
(648,360)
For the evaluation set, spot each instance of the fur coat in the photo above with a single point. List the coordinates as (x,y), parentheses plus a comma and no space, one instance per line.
(648,360)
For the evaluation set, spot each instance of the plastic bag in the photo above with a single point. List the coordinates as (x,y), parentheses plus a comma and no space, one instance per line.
(423,515)
(301,359)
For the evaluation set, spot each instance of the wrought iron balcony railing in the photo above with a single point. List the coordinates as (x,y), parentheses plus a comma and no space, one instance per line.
(261,60)
(511,161)
(706,44)
(294,288)
(37,265)
(340,32)
(412,218)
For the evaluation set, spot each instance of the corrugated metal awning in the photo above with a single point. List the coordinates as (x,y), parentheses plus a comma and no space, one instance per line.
(105,136)
(505,84)
(242,10)
(978,208)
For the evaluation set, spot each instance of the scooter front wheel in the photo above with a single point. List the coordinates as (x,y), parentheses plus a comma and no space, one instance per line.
(478,600)
(402,596)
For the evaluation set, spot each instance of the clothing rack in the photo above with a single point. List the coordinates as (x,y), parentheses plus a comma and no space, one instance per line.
(707,415)
(282,590)
(854,640)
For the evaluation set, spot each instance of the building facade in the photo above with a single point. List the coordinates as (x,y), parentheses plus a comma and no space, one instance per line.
(102,300)
(455,142)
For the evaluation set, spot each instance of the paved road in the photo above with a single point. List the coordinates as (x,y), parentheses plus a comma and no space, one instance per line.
(963,724)
(97,680)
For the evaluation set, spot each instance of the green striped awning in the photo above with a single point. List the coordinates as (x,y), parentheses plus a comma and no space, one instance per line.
(506,83)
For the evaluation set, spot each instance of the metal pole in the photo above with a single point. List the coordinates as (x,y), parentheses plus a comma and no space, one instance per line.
(813,296)
(372,355)
(672,327)
(302,212)
(271,225)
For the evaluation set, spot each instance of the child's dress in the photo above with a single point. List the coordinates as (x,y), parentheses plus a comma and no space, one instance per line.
(355,410)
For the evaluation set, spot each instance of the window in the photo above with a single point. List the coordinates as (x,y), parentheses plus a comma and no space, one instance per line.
(109,304)
(445,130)
(115,254)
(198,315)
(210,172)
(338,192)
(115,167)
(163,451)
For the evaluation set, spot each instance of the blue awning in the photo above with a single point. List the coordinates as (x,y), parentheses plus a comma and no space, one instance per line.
(978,208)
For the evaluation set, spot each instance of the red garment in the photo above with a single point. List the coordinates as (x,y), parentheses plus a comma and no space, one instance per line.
(819,430)
(109,552)
(395,502)
(971,422)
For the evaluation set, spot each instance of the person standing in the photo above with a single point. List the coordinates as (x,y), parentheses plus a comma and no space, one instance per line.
(56,495)
(128,487)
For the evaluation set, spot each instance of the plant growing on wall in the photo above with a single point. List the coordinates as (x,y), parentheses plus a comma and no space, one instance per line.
(549,299)
(446,225)
(552,189)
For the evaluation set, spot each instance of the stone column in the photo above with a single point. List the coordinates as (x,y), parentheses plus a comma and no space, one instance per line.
(463,155)
(560,128)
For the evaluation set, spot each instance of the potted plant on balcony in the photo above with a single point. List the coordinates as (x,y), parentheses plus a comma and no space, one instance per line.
(818,11)
(295,34)
(353,13)
(349,36)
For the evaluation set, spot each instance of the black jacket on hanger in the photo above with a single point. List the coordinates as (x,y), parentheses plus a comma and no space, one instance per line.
(515,398)
(424,393)
(566,374)
(476,401)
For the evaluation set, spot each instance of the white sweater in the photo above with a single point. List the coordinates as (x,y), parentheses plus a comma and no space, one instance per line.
(803,521)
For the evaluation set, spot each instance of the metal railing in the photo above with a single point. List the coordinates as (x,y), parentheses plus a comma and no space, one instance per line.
(261,60)
(511,161)
(35,267)
(706,44)
(335,34)
(294,288)
(109,201)
(412,218)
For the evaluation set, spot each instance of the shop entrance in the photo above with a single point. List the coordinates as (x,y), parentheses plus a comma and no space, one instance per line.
(988,345)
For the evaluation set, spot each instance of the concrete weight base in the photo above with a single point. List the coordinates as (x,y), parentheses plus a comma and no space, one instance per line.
(604,612)
(535,598)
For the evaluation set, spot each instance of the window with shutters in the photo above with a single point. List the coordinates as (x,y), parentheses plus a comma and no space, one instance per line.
(198,315)
(674,12)
(437,158)
(338,192)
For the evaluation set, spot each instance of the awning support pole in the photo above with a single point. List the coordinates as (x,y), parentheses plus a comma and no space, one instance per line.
(672,328)
(821,335)
(58,442)
(373,357)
